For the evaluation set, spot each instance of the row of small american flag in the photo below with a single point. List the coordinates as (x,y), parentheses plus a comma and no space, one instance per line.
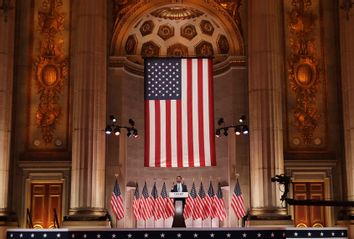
(200,204)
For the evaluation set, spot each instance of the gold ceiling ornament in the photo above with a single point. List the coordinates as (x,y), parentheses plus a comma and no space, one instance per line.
(177,13)
(303,69)
(233,8)
(51,68)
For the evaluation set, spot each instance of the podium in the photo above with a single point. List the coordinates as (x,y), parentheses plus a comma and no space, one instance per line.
(179,198)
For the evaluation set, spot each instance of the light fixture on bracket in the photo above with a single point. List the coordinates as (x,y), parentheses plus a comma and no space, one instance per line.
(240,128)
(114,128)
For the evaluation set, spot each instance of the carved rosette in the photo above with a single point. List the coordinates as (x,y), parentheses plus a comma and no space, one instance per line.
(304,80)
(51,68)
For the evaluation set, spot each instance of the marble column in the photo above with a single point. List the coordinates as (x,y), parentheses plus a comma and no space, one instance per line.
(346,30)
(266,69)
(88,74)
(7,33)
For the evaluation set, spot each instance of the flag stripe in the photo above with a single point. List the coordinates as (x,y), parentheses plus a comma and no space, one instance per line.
(184,113)
(157,133)
(190,112)
(147,132)
(195,110)
(211,114)
(179,135)
(168,134)
(152,134)
(201,113)
(163,133)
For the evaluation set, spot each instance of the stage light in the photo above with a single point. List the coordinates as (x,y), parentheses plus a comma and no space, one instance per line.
(242,119)
(114,128)
(108,129)
(217,133)
(237,130)
(117,131)
(245,129)
(135,133)
(240,128)
(113,119)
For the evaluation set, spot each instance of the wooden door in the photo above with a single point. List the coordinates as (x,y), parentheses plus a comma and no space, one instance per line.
(309,216)
(45,198)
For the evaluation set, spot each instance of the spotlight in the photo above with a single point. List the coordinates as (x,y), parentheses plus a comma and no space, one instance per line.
(242,119)
(113,118)
(221,121)
(135,133)
(225,132)
(217,133)
(245,129)
(116,131)
(237,130)
(108,129)
(131,122)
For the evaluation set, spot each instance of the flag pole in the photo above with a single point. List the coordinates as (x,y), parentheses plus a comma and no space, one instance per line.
(212,204)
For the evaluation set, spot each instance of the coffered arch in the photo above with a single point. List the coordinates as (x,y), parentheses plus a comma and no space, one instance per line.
(194,28)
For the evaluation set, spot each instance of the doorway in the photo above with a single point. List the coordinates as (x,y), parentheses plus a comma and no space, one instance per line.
(46,201)
(309,216)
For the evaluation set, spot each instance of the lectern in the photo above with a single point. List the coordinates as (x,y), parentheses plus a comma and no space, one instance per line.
(179,197)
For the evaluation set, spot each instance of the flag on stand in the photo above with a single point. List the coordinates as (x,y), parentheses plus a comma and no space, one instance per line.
(179,112)
(201,203)
(156,204)
(219,205)
(189,207)
(145,204)
(237,203)
(117,202)
(209,201)
(136,204)
(169,208)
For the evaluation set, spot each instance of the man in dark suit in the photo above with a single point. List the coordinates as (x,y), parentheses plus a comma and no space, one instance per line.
(179,186)
(178,220)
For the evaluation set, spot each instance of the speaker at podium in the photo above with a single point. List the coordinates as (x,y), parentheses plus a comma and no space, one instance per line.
(179,199)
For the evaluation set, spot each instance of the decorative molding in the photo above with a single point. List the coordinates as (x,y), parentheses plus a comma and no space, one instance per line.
(305,76)
(347,5)
(233,8)
(177,13)
(51,73)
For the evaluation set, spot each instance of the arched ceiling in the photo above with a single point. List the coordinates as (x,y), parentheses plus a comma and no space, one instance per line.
(175,30)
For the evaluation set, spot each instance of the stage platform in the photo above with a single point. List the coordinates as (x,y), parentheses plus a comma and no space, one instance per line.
(184,233)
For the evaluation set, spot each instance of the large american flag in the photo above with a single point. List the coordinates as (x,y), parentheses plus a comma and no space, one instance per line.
(237,203)
(169,208)
(219,205)
(179,112)
(145,204)
(136,204)
(117,202)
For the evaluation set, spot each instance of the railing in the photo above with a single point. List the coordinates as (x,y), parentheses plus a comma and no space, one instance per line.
(29,219)
(56,221)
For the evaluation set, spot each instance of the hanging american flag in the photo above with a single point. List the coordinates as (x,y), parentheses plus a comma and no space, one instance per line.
(179,113)
(157,206)
(145,204)
(209,201)
(219,205)
(136,204)
(189,207)
(117,202)
(237,203)
(169,208)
